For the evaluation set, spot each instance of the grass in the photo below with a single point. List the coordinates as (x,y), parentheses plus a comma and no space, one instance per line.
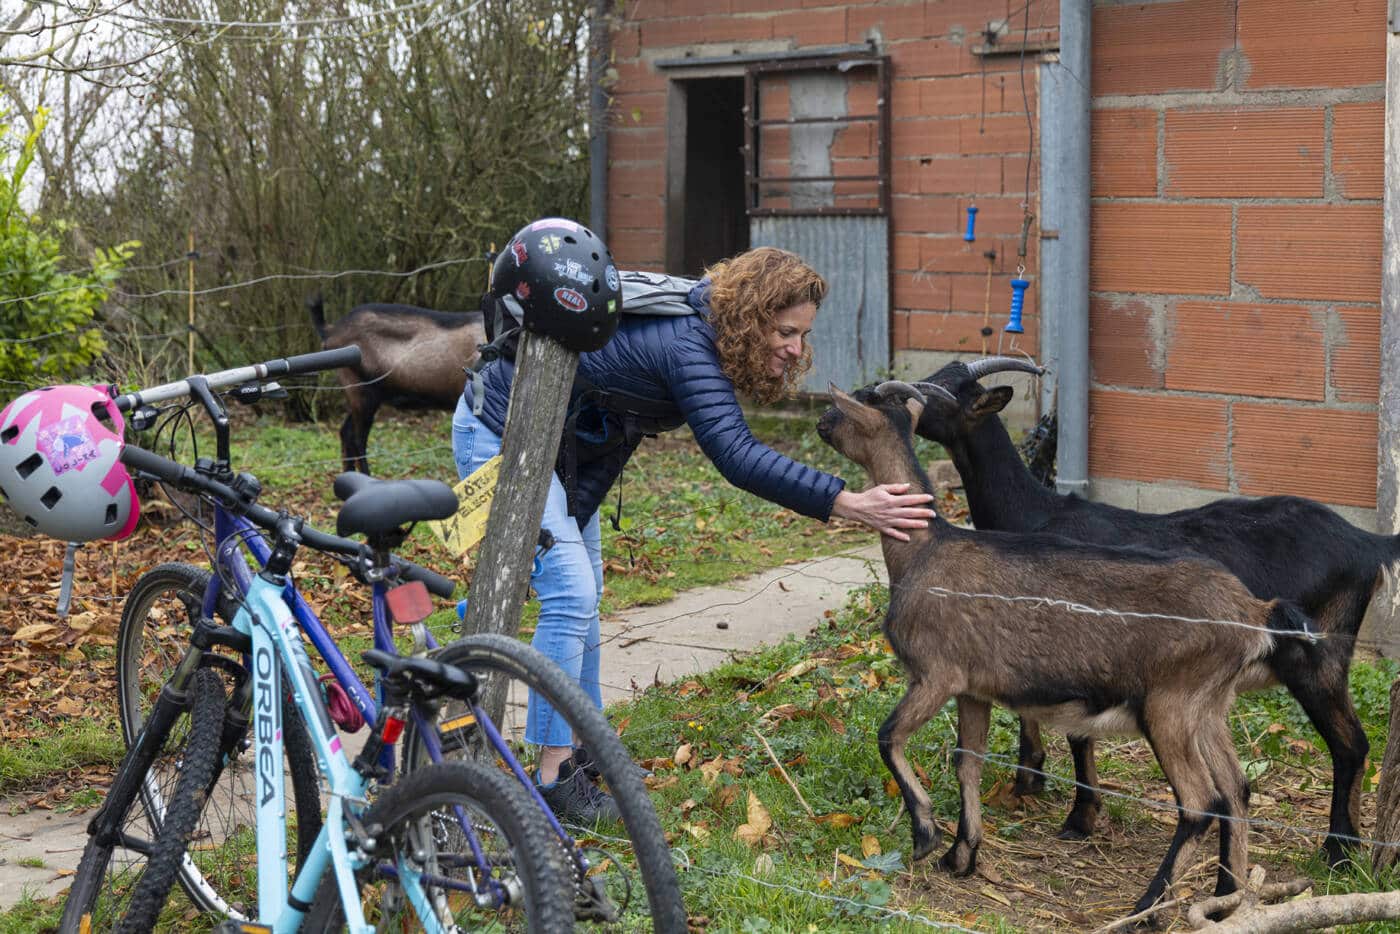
(73,744)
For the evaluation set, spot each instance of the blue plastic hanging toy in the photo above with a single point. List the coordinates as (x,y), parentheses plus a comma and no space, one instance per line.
(1018,299)
(971,234)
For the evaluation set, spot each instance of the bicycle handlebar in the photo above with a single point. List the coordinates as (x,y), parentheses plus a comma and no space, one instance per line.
(289,366)
(189,480)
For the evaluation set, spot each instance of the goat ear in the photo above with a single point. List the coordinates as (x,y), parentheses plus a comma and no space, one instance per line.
(842,401)
(992,401)
(915,407)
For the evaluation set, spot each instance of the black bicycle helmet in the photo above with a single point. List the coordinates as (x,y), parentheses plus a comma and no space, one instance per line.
(559,280)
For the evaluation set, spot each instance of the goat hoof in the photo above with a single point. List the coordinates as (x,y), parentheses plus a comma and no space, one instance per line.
(1071,833)
(960,860)
(924,844)
(1337,854)
(1028,785)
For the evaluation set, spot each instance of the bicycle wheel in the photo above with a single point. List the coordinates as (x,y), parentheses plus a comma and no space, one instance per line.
(489,655)
(417,822)
(221,875)
(123,880)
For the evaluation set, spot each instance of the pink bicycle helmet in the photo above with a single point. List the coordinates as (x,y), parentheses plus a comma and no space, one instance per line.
(59,468)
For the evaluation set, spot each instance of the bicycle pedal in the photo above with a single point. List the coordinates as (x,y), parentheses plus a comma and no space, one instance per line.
(591,903)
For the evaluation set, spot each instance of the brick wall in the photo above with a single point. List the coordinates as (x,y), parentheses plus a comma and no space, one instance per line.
(1237,160)
(1237,176)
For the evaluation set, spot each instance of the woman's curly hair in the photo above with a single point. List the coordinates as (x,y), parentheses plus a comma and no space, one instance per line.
(746,293)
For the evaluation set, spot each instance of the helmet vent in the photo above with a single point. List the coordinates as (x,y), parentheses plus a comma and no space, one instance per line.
(569,239)
(27,466)
(51,497)
(595,286)
(32,521)
(111,518)
(595,257)
(9,434)
(99,412)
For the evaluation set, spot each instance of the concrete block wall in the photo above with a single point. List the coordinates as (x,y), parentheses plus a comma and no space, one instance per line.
(1235,270)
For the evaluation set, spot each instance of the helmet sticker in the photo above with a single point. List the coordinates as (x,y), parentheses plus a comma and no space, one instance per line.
(517,249)
(551,242)
(66,444)
(612,306)
(522,291)
(570,299)
(611,275)
(573,270)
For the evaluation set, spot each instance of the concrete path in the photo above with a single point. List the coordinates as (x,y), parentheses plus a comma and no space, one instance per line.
(694,632)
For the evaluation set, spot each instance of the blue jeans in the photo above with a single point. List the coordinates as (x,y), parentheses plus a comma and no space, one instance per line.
(568,581)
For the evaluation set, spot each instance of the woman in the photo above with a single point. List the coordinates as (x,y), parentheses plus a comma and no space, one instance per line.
(749,337)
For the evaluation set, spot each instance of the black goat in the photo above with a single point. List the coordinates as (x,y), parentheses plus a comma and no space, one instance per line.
(1172,681)
(411,358)
(1279,546)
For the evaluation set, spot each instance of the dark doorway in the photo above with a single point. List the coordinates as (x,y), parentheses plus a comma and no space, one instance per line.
(715,224)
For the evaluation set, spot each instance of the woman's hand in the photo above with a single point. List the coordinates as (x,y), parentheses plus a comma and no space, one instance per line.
(887,508)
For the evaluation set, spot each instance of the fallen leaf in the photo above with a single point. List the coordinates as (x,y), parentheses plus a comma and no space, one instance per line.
(698,831)
(763,865)
(758,823)
(869,846)
(660,784)
(849,860)
(682,755)
(725,796)
(839,820)
(994,895)
(891,788)
(34,631)
(709,771)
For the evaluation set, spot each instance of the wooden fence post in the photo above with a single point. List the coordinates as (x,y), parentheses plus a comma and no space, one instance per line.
(539,396)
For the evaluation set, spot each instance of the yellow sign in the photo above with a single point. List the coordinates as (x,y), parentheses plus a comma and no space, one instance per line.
(467,526)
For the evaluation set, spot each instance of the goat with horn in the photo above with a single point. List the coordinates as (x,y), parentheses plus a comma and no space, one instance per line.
(1171,680)
(1279,546)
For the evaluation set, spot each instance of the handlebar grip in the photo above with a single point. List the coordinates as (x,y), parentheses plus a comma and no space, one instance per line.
(435,582)
(157,466)
(348,355)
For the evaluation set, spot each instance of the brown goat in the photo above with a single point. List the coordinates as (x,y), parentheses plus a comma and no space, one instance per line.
(1088,673)
(411,358)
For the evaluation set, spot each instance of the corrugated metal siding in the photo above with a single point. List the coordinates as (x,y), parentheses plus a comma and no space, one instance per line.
(851,338)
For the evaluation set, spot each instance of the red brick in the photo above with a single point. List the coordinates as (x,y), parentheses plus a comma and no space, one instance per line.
(1015,175)
(962,332)
(1246,350)
(1164,248)
(626,41)
(774,97)
(666,33)
(890,20)
(637,212)
(967,293)
(972,175)
(811,27)
(969,17)
(1275,153)
(647,109)
(1155,438)
(1124,149)
(1315,251)
(638,178)
(904,256)
(923,58)
(920,291)
(761,6)
(924,213)
(1159,47)
(1310,44)
(862,96)
(1121,344)
(904,98)
(996,217)
(854,141)
(1003,134)
(1323,454)
(1358,149)
(960,96)
(637,76)
(637,249)
(951,253)
(643,144)
(914,138)
(1356,356)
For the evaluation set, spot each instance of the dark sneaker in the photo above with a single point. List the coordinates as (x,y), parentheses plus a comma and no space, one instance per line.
(576,800)
(585,764)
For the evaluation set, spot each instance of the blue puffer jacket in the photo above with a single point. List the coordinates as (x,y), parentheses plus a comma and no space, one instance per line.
(675,359)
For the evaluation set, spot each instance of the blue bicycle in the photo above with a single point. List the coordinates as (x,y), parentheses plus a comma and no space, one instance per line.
(170,603)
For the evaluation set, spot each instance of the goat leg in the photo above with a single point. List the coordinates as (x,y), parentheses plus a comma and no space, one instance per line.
(1030,776)
(1082,817)
(974,717)
(914,709)
(1232,789)
(1175,746)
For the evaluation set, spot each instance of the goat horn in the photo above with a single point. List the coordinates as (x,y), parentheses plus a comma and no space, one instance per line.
(989,365)
(898,389)
(933,389)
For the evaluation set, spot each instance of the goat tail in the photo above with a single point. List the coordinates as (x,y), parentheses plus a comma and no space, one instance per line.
(316,307)
(1289,619)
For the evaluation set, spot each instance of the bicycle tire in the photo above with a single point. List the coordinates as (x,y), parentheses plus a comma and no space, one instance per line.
(403,811)
(157,619)
(489,652)
(149,885)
